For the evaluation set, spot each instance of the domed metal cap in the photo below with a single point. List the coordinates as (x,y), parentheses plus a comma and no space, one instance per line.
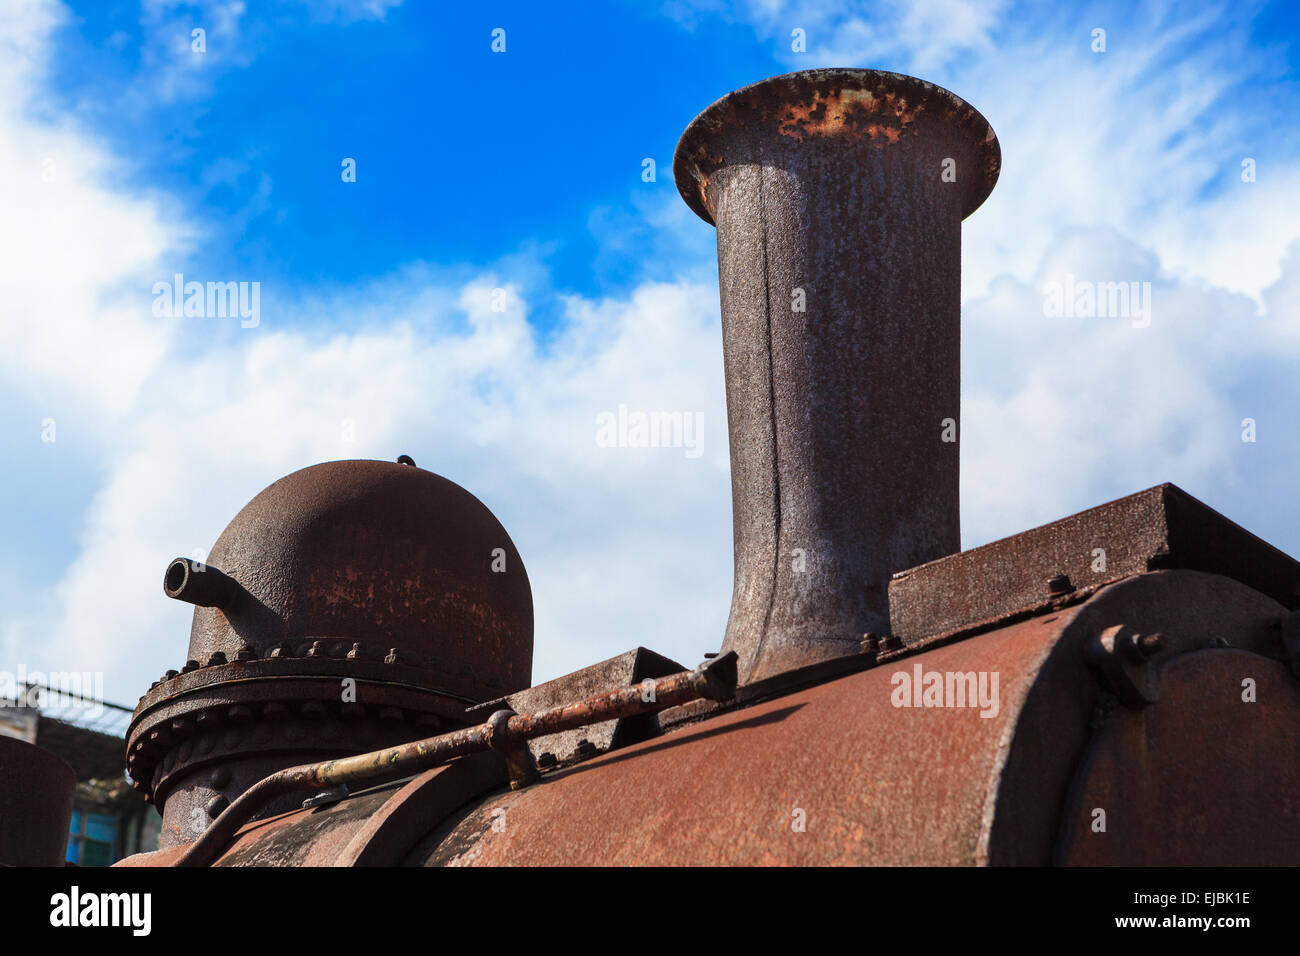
(350,606)
(391,557)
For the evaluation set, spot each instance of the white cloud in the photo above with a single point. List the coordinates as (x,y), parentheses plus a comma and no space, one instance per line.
(73,273)
(623,546)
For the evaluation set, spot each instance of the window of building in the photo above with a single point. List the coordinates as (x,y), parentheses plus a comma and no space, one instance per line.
(93,839)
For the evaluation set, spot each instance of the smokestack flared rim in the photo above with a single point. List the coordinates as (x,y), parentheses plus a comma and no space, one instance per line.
(839,102)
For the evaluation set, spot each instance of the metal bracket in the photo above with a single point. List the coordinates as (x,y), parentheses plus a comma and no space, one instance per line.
(1121,658)
(518,757)
(333,795)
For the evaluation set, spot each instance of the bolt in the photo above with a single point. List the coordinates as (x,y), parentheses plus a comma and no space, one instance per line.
(871,643)
(245,653)
(190,666)
(546,761)
(170,674)
(216,657)
(1148,644)
(218,803)
(1059,584)
(586,749)
(406,460)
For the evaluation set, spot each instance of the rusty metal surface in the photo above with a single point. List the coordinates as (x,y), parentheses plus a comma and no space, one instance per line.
(1162,527)
(377,573)
(1202,778)
(374,827)
(878,784)
(874,784)
(828,185)
(504,732)
(625,670)
(36,792)
(386,838)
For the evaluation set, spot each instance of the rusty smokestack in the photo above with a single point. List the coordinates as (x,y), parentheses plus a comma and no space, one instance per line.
(838,197)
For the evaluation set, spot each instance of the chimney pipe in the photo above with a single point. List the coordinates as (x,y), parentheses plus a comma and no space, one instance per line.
(838,197)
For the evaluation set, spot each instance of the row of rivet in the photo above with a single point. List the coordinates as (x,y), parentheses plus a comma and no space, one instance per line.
(319,649)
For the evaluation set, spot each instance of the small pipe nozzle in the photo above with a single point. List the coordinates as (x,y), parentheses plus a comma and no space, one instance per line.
(197,583)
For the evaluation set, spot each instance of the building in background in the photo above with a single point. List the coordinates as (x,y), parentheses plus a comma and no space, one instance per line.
(110,819)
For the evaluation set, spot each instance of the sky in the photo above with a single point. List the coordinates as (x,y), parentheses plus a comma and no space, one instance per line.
(503,270)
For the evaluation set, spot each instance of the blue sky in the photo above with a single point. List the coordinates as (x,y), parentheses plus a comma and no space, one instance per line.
(522,171)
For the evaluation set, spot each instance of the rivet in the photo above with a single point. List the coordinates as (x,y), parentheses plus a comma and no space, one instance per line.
(1149,644)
